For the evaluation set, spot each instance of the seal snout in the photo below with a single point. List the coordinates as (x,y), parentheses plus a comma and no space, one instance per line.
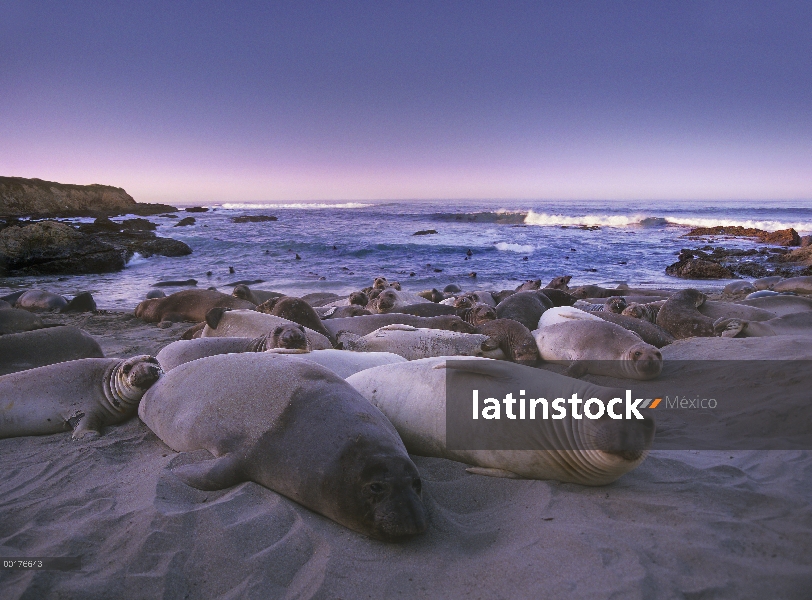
(648,361)
(397,509)
(291,337)
(144,373)
(627,439)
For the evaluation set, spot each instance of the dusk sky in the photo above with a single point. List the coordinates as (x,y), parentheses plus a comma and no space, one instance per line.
(254,101)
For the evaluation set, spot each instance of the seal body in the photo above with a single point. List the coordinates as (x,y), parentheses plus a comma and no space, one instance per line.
(600,348)
(513,338)
(253,324)
(732,310)
(413,343)
(679,315)
(294,427)
(524,307)
(84,394)
(564,314)
(40,300)
(243,292)
(649,332)
(187,305)
(424,309)
(31,349)
(739,287)
(646,312)
(791,324)
(780,305)
(344,363)
(477,314)
(363,325)
(799,285)
(413,396)
(390,299)
(296,310)
(16,320)
(767,283)
(559,283)
(558,297)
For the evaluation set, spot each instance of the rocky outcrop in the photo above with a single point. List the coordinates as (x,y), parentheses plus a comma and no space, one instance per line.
(38,198)
(782,237)
(690,267)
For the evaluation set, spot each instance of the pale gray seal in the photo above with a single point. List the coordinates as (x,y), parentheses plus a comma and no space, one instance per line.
(31,349)
(524,307)
(253,324)
(41,300)
(413,343)
(413,396)
(365,324)
(84,395)
(293,427)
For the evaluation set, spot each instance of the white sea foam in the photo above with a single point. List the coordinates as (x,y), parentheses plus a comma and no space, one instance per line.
(520,248)
(299,205)
(767,225)
(544,219)
(136,259)
(548,220)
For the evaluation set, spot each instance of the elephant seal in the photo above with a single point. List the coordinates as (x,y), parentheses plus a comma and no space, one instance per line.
(390,299)
(40,300)
(559,283)
(649,332)
(529,285)
(605,448)
(344,363)
(452,288)
(767,283)
(738,287)
(341,312)
(432,295)
(187,305)
(296,310)
(646,312)
(615,304)
(176,283)
(243,292)
(564,314)
(524,307)
(290,337)
(5,305)
(502,294)
(293,427)
(558,297)
(791,324)
(315,299)
(368,323)
(780,304)
(252,324)
(799,285)
(425,309)
(766,294)
(680,316)
(155,294)
(82,302)
(16,320)
(84,394)
(477,314)
(12,297)
(412,343)
(599,348)
(32,349)
(513,338)
(716,310)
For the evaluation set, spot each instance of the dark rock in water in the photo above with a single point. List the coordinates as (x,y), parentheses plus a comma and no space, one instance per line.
(425,232)
(689,267)
(82,302)
(51,248)
(186,282)
(138,225)
(185,221)
(197,209)
(160,246)
(254,219)
(169,216)
(782,237)
(246,282)
(752,270)
(155,294)
(100,225)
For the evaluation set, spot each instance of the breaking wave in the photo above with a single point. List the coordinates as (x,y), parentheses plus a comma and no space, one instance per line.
(550,220)
(520,248)
(768,225)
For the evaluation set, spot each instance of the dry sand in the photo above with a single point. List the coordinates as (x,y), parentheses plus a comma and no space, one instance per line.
(707,524)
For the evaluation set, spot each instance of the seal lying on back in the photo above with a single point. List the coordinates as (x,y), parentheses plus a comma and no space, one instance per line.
(680,316)
(253,324)
(604,449)
(290,338)
(412,343)
(367,324)
(187,305)
(31,349)
(84,394)
(599,348)
(293,427)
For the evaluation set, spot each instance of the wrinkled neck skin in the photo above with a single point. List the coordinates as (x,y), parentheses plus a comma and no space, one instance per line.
(121,398)
(259,344)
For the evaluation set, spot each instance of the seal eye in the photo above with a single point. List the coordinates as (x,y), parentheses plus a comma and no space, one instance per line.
(277,331)
(638,354)
(377,488)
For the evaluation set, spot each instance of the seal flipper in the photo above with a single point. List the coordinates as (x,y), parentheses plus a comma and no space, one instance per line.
(214,315)
(576,370)
(487,472)
(84,425)
(215,474)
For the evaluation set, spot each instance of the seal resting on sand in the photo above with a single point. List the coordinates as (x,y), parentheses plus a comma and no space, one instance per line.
(604,449)
(293,427)
(83,395)
(679,315)
(412,343)
(51,345)
(187,305)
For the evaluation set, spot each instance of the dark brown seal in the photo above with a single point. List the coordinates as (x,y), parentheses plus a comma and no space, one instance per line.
(680,317)
(514,339)
(187,305)
(651,333)
(294,309)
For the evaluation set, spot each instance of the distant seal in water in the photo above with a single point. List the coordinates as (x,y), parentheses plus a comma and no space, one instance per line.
(155,294)
(604,449)
(177,283)
(524,307)
(799,285)
(187,305)
(477,314)
(649,332)
(296,310)
(294,427)
(513,338)
(16,320)
(680,316)
(32,349)
(766,283)
(83,302)
(559,283)
(243,292)
(252,324)
(599,348)
(40,300)
(367,324)
(84,395)
(412,343)
(558,297)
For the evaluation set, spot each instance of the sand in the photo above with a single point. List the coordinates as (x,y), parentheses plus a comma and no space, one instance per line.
(698,524)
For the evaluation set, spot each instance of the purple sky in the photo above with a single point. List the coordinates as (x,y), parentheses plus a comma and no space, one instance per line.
(252,101)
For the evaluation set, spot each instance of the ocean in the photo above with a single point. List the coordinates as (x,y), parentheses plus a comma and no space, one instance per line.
(343,245)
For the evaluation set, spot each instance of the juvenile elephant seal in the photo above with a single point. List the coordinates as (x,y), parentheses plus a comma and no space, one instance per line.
(780,304)
(31,349)
(477,314)
(155,294)
(599,348)
(738,287)
(344,363)
(293,427)
(320,298)
(799,285)
(82,302)
(16,320)
(187,305)
(559,283)
(558,297)
(412,343)
(766,283)
(524,307)
(253,324)
(529,285)
(791,324)
(432,295)
(40,300)
(296,310)
(426,309)
(604,449)
(564,314)
(84,395)
(680,316)
(645,312)
(343,312)
(716,310)
(390,299)
(649,332)
(365,324)
(243,292)
(513,338)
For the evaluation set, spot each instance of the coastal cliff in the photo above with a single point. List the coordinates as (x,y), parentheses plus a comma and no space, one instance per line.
(37,198)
